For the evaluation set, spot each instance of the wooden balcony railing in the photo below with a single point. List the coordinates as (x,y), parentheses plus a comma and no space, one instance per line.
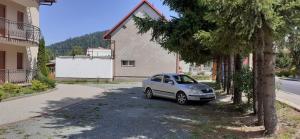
(12,30)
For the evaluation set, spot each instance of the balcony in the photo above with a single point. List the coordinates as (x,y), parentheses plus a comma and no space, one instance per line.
(19,32)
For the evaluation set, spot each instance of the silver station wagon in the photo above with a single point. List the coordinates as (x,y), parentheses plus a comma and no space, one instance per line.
(177,86)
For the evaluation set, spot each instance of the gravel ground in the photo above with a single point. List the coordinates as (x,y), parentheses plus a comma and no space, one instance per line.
(123,112)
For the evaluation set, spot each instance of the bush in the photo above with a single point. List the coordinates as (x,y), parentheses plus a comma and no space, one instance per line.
(279,74)
(11,88)
(2,95)
(284,73)
(243,81)
(293,71)
(38,86)
(27,90)
(50,83)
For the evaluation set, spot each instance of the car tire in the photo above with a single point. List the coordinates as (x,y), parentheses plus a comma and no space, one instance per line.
(181,98)
(149,93)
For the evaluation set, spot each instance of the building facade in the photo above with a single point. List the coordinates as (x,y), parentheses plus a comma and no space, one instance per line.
(98,52)
(19,39)
(134,55)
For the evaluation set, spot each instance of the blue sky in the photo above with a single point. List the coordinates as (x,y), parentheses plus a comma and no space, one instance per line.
(71,18)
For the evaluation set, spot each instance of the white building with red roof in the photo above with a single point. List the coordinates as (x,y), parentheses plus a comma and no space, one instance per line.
(134,55)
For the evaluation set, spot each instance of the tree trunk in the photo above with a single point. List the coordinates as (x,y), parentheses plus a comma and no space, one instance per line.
(259,71)
(219,72)
(231,68)
(237,97)
(297,71)
(228,76)
(254,71)
(225,84)
(270,115)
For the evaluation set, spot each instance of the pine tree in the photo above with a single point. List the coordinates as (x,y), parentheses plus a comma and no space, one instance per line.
(230,27)
(41,59)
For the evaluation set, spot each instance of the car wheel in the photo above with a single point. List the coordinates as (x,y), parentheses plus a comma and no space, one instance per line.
(149,93)
(181,98)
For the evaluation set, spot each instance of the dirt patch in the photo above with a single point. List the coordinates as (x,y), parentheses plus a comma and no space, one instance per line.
(224,122)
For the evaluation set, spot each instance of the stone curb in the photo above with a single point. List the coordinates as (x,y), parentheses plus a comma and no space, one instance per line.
(291,104)
(29,95)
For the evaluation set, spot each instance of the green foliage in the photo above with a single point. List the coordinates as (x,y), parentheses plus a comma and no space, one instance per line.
(41,59)
(2,95)
(176,35)
(283,60)
(292,44)
(284,73)
(27,90)
(38,86)
(50,83)
(49,55)
(76,50)
(90,40)
(243,80)
(10,88)
(293,71)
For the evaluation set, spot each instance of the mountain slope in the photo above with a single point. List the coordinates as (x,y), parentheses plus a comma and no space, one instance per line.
(86,41)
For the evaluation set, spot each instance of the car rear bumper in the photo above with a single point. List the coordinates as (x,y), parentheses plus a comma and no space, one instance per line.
(202,97)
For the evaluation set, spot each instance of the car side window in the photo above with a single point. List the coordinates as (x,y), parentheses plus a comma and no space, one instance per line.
(157,78)
(167,79)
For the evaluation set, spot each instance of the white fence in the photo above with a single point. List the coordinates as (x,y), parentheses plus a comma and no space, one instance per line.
(84,67)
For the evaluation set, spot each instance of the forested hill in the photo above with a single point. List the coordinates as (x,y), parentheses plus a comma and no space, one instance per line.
(86,41)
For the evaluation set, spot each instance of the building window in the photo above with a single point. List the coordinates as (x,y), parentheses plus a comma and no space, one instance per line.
(20,20)
(20,61)
(128,63)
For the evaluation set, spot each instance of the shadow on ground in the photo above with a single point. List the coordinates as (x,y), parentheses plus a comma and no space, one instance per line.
(125,113)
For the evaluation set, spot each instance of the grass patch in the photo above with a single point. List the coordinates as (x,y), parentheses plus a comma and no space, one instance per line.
(3,131)
(201,77)
(225,121)
(289,121)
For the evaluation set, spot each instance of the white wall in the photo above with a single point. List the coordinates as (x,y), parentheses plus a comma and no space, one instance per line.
(84,67)
(150,58)
(184,67)
(98,52)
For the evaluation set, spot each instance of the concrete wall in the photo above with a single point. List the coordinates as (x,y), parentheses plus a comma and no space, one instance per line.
(150,58)
(84,68)
(98,52)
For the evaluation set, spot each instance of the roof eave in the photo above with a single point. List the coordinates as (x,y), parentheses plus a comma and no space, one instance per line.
(107,36)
